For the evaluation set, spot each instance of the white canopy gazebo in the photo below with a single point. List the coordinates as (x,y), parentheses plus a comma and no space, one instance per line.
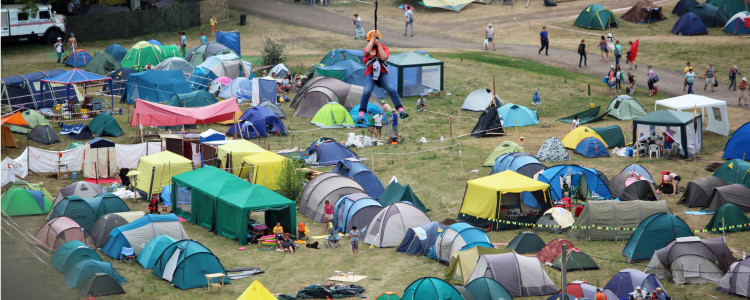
(714,110)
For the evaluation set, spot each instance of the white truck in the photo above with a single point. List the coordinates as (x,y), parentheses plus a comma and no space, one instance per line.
(45,25)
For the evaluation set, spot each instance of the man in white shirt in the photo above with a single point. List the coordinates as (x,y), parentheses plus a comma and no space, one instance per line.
(409,14)
(638,294)
(378,119)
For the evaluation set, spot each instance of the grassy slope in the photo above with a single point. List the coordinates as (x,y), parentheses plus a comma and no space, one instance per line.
(437,176)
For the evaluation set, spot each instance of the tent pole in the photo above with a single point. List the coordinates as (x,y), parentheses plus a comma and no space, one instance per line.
(564,271)
(151,184)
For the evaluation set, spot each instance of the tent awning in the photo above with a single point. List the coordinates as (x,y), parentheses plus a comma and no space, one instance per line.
(154,114)
(509,182)
(76,76)
(718,120)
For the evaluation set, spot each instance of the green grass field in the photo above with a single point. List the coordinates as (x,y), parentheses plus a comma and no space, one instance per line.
(437,171)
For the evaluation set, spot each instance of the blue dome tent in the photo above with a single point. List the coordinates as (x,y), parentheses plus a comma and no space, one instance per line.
(519,162)
(517,115)
(737,145)
(328,152)
(588,181)
(257,121)
(117,52)
(138,233)
(625,282)
(419,240)
(79,59)
(458,237)
(689,24)
(737,24)
(591,147)
(355,169)
(371,108)
(355,209)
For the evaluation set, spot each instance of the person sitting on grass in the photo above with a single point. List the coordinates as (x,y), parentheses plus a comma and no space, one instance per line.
(288,244)
(278,231)
(286,84)
(302,231)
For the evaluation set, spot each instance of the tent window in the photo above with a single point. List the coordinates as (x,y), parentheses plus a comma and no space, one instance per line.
(717,113)
(617,104)
(184,199)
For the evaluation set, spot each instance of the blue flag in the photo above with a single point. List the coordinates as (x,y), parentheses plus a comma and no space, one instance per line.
(536,99)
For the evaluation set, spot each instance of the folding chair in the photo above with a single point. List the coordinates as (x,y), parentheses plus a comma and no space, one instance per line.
(127,255)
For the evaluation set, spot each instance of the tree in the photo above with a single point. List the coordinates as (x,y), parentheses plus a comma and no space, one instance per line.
(290,180)
(273,52)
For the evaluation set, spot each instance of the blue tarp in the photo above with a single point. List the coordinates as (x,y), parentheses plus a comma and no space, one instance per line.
(239,88)
(267,89)
(117,240)
(420,239)
(355,169)
(330,152)
(230,39)
(591,147)
(517,115)
(79,59)
(118,52)
(256,122)
(689,24)
(594,183)
(155,86)
(738,146)
(374,109)
(155,42)
(227,65)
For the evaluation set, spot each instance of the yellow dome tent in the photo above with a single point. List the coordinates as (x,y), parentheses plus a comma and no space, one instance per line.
(263,168)
(575,136)
(256,291)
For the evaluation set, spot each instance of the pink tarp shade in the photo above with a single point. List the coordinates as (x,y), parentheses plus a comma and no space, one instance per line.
(154,114)
(224,80)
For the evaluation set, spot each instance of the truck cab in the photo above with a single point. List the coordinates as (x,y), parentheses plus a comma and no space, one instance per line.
(45,24)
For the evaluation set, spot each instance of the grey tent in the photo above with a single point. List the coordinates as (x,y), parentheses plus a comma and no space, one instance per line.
(279,71)
(611,213)
(104,225)
(175,63)
(737,279)
(699,191)
(520,275)
(480,99)
(44,134)
(736,194)
(329,187)
(100,284)
(81,189)
(390,224)
(639,189)
(552,150)
(320,90)
(274,108)
(198,54)
(692,260)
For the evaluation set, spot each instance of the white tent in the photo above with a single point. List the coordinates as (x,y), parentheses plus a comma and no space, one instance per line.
(715,110)
(479,99)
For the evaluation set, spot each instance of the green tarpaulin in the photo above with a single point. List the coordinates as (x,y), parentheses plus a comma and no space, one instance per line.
(586,116)
(612,136)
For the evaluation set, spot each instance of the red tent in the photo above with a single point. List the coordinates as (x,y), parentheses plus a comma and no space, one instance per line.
(153,114)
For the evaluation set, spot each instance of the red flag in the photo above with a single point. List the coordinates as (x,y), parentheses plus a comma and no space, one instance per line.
(633,51)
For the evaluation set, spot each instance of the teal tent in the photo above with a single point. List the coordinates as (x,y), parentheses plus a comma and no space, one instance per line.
(577,260)
(487,288)
(517,115)
(337,55)
(596,16)
(76,208)
(734,171)
(613,136)
(153,250)
(624,107)
(397,192)
(100,284)
(105,125)
(729,218)
(430,288)
(526,242)
(70,254)
(197,98)
(586,116)
(185,264)
(653,233)
(82,270)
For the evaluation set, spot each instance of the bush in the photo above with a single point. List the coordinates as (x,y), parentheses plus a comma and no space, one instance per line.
(290,180)
(273,53)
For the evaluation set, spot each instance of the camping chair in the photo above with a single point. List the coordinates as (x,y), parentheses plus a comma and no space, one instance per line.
(565,203)
(153,207)
(302,231)
(127,255)
(653,148)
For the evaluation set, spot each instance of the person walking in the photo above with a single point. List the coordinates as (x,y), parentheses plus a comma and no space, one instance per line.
(409,14)
(183,43)
(354,235)
(619,77)
(631,63)
(378,119)
(603,48)
(687,68)
(689,80)
(358,27)
(733,71)
(203,39)
(618,53)
(582,53)
(544,39)
(213,24)
(611,80)
(743,86)
(59,49)
(710,75)
(489,35)
(651,79)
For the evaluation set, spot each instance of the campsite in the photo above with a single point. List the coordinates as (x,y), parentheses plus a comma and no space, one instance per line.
(436,179)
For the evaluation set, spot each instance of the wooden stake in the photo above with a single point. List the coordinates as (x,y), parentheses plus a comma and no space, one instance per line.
(527,3)
(460,155)
(450,126)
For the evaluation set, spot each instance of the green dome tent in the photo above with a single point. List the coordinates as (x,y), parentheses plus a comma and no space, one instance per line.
(141,54)
(624,107)
(734,171)
(577,260)
(100,284)
(388,296)
(487,288)
(430,288)
(82,270)
(397,192)
(729,218)
(504,147)
(105,125)
(596,16)
(333,115)
(526,242)
(70,254)
(653,233)
(102,63)
(185,263)
(22,202)
(23,184)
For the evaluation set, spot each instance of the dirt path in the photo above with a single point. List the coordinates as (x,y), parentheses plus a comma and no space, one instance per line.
(324,19)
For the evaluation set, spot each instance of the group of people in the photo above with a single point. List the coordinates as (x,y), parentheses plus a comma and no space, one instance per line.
(710,76)
(72,44)
(360,32)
